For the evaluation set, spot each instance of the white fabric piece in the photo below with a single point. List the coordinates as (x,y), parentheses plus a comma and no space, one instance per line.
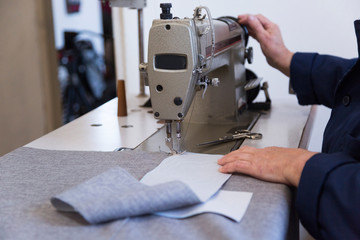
(198,171)
(231,204)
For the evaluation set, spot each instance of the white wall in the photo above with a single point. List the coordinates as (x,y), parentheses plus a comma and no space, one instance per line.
(324,26)
(88,18)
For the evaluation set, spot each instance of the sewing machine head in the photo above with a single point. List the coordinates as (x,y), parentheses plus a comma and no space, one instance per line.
(191,55)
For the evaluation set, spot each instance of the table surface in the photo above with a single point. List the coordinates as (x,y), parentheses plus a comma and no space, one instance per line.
(102,130)
(81,149)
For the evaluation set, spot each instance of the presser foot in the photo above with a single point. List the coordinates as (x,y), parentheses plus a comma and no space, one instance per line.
(170,145)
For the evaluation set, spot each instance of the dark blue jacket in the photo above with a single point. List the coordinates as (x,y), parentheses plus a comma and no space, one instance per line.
(328,196)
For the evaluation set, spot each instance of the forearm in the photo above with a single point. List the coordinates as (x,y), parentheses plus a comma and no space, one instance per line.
(283,62)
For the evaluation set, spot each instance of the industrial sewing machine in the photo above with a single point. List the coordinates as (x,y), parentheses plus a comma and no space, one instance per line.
(197,78)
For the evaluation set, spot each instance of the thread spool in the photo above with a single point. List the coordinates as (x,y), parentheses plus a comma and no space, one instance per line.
(122,109)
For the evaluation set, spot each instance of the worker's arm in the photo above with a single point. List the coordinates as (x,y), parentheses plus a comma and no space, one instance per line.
(328,193)
(328,196)
(314,77)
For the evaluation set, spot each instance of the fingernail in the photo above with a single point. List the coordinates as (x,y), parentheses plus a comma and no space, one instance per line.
(251,18)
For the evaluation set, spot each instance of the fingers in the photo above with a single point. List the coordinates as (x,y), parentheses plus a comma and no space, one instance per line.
(246,18)
(234,157)
(264,21)
(237,161)
(244,153)
(255,26)
(243,18)
(269,36)
(238,166)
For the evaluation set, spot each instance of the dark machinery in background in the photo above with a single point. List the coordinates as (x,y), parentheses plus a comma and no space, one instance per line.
(87,79)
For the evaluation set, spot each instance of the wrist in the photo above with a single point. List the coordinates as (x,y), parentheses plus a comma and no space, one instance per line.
(296,166)
(284,65)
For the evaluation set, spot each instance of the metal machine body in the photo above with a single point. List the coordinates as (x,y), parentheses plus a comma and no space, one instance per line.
(196,71)
(135,4)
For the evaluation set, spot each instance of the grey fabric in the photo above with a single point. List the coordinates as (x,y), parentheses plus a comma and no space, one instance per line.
(116,194)
(30,177)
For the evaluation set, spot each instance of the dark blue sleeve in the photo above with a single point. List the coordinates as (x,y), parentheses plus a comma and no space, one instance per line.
(314,77)
(328,196)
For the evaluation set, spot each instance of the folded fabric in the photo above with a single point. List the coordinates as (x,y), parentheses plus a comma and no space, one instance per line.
(179,181)
(116,194)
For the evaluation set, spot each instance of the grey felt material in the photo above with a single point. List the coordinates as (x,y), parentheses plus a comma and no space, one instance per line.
(30,177)
(116,194)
